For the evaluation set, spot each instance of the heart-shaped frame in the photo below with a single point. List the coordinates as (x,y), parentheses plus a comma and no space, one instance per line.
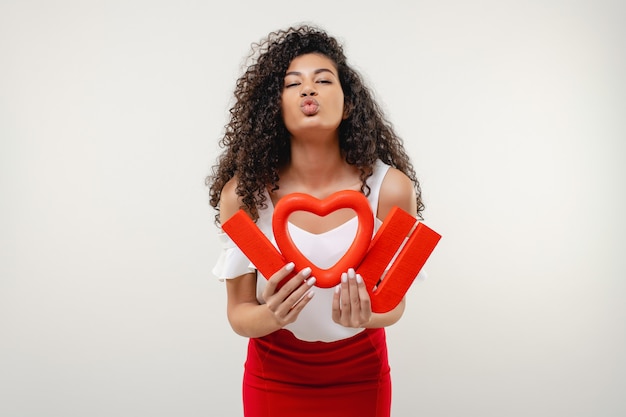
(325,278)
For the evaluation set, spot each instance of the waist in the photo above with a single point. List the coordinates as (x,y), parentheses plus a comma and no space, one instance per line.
(283,358)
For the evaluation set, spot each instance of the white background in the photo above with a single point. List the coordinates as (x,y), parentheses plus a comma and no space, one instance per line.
(512,111)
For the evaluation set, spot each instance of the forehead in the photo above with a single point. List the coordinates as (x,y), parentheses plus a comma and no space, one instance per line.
(312,61)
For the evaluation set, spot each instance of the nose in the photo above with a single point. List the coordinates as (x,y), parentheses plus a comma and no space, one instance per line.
(308,90)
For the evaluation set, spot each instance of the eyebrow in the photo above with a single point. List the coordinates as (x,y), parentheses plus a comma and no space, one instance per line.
(317,71)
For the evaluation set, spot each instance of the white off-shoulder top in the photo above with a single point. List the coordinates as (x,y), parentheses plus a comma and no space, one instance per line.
(315,321)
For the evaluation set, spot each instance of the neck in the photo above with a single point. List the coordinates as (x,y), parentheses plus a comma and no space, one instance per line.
(316,166)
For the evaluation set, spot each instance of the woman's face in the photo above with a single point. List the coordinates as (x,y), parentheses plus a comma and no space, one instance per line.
(312,97)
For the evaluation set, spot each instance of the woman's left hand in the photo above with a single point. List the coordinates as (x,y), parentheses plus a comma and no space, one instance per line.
(351,301)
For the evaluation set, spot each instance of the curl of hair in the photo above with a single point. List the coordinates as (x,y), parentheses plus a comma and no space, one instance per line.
(256,142)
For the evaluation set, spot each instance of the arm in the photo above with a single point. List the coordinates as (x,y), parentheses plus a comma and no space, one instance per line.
(351,303)
(246,315)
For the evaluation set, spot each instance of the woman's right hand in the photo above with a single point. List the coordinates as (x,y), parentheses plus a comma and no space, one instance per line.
(287,302)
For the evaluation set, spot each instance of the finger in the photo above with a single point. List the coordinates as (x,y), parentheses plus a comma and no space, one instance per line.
(301,293)
(345,295)
(294,283)
(275,298)
(366,303)
(355,300)
(293,313)
(295,302)
(336,304)
(275,279)
(287,288)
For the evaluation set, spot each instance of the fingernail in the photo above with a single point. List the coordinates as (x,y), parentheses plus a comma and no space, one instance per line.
(359,279)
(310,294)
(306,271)
(337,289)
(310,281)
(351,273)
(344,277)
(289,267)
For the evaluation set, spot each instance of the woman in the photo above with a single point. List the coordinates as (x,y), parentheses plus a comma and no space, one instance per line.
(304,121)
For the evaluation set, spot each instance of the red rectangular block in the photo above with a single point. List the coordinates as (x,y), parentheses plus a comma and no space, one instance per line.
(404,269)
(253,243)
(384,246)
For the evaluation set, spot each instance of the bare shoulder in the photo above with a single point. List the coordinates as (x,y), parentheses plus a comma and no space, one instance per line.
(398,190)
(230,202)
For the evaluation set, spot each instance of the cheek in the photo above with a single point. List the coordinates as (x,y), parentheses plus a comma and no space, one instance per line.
(340,101)
(341,108)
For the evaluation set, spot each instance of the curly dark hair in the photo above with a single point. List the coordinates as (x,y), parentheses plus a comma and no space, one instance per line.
(256,142)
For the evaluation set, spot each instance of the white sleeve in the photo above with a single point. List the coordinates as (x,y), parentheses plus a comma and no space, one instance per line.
(231,262)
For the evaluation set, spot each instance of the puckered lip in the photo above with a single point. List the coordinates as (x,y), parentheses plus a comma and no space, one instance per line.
(309,106)
(308,102)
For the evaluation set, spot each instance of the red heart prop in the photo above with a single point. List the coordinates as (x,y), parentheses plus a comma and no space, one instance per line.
(325,278)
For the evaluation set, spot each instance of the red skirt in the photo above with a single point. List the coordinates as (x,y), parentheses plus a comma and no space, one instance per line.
(285,376)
